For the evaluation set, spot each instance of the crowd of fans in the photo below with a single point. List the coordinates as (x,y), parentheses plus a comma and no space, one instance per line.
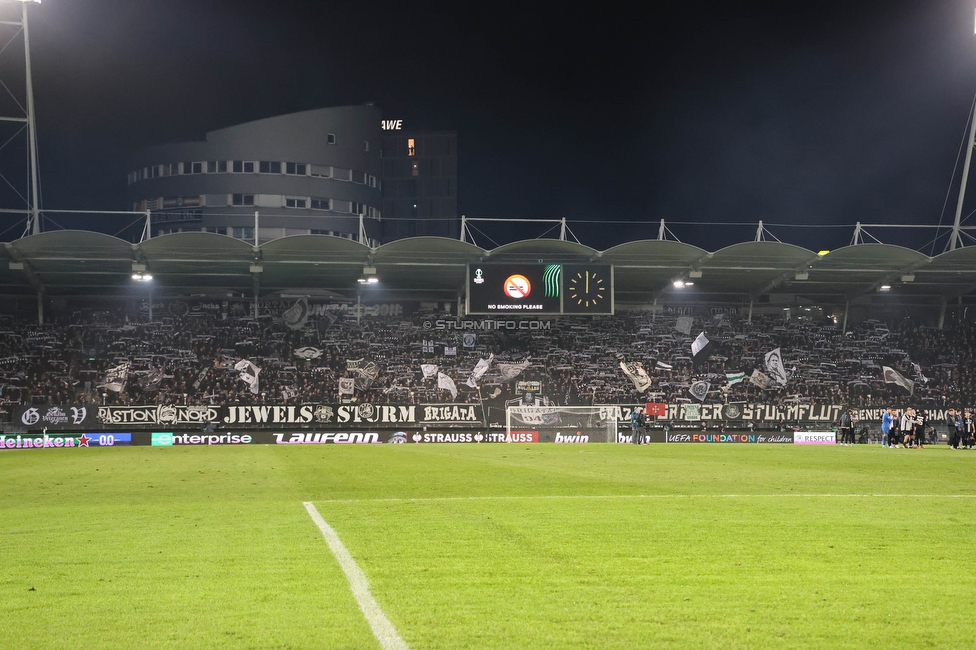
(189,359)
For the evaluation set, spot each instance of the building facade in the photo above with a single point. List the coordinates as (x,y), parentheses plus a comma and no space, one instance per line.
(313,172)
(419,183)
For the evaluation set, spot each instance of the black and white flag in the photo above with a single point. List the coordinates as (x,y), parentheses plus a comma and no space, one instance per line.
(446,383)
(297,315)
(892,376)
(699,390)
(308,353)
(760,379)
(248,374)
(428,347)
(347,385)
(288,392)
(774,367)
(660,365)
(150,381)
(636,373)
(510,371)
(699,344)
(429,370)
(479,370)
(115,378)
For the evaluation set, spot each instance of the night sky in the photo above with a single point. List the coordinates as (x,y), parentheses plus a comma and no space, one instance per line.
(794,113)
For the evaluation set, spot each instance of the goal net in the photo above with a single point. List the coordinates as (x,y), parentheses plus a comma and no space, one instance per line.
(561,423)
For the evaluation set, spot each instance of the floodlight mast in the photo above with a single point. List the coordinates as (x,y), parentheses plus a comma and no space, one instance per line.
(32,128)
(33,209)
(955,239)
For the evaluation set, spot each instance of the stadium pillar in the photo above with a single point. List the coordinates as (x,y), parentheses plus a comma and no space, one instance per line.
(847,308)
(40,307)
(750,311)
(942,312)
(257,293)
(150,303)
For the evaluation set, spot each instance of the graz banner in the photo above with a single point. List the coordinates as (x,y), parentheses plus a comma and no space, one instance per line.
(740,412)
(733,438)
(312,415)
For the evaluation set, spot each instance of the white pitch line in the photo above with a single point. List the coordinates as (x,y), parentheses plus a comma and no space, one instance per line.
(382,628)
(652,496)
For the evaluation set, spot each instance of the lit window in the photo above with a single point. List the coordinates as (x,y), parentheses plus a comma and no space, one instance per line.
(242,199)
(330,138)
(411,149)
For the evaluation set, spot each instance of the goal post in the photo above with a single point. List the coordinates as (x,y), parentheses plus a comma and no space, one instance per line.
(563,424)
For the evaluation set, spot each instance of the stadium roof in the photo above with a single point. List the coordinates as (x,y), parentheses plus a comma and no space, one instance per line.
(89,263)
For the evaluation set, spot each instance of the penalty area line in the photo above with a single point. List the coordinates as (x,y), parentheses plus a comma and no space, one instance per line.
(381,626)
(650,496)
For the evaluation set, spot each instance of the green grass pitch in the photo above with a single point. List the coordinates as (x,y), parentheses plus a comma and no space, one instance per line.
(489,546)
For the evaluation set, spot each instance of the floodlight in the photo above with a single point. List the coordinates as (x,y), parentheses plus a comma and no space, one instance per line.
(679,284)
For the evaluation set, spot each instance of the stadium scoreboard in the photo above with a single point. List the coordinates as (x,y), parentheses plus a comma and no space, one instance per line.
(540,289)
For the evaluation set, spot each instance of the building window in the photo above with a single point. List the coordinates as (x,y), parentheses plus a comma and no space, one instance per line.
(297,169)
(186,167)
(414,168)
(212,229)
(242,199)
(197,168)
(411,148)
(246,232)
(294,203)
(330,138)
(238,166)
(320,204)
(270,167)
(372,181)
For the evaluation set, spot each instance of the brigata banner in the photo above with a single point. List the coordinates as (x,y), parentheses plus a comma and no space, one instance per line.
(733,438)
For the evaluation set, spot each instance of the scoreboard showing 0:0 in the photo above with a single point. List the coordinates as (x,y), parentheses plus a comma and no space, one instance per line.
(540,289)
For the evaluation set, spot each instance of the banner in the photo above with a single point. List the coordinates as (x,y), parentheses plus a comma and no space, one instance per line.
(429,370)
(115,378)
(760,379)
(732,438)
(699,344)
(347,385)
(308,353)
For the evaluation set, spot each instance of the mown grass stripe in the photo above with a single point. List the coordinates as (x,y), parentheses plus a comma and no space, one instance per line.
(651,496)
(382,628)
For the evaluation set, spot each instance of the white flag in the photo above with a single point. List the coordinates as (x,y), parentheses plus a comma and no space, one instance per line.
(774,366)
(760,379)
(450,351)
(684,325)
(698,344)
(115,378)
(510,371)
(699,390)
(297,315)
(479,370)
(308,353)
(892,376)
(347,385)
(660,365)
(636,373)
(287,392)
(249,374)
(446,383)
(429,370)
